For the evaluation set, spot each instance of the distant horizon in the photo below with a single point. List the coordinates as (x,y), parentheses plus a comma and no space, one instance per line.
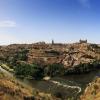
(47,42)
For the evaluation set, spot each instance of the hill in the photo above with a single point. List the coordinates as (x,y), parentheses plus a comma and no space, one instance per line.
(39,60)
(11,89)
(69,55)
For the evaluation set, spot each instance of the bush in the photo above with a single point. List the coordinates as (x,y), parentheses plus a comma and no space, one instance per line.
(58,95)
(26,70)
(54,69)
(96,86)
(83,68)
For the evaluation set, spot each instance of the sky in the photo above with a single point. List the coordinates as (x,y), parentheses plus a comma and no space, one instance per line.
(66,21)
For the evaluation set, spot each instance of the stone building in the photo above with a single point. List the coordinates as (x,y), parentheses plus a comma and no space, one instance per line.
(83,41)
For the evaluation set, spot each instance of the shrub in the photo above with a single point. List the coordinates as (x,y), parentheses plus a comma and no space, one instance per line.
(96,86)
(24,69)
(58,95)
(54,69)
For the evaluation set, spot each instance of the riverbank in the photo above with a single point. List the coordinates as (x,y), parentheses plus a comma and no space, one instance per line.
(70,86)
(14,89)
(56,83)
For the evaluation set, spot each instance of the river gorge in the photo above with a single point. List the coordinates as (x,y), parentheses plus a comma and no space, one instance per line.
(69,86)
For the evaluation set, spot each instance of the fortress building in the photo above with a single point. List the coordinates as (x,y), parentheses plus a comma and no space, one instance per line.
(82,41)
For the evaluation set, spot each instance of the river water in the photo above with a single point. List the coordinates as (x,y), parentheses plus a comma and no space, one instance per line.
(67,86)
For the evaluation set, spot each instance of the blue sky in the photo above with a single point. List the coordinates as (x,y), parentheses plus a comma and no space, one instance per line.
(28,21)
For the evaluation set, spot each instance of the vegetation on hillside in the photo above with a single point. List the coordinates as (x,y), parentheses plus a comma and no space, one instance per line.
(92,92)
(28,70)
(35,71)
(54,70)
(12,89)
(83,68)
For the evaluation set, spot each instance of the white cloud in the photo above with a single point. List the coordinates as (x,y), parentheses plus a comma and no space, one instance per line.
(85,3)
(7,24)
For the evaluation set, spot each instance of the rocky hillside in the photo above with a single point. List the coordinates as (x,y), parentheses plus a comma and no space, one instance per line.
(69,55)
(11,89)
(92,92)
(40,59)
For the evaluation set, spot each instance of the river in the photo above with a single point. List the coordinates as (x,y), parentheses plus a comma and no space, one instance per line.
(67,86)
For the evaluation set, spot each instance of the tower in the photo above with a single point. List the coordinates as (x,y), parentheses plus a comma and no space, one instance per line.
(52,41)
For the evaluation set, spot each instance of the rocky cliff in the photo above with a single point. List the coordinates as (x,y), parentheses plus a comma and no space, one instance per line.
(69,55)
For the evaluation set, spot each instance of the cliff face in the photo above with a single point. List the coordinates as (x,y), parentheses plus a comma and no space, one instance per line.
(67,54)
(81,53)
(92,92)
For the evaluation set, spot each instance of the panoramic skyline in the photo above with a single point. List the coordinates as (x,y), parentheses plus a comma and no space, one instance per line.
(28,21)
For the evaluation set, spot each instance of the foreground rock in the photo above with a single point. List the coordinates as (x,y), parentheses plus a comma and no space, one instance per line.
(46,78)
(92,92)
(10,89)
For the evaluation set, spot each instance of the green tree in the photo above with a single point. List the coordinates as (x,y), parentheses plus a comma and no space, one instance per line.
(54,69)
(24,69)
